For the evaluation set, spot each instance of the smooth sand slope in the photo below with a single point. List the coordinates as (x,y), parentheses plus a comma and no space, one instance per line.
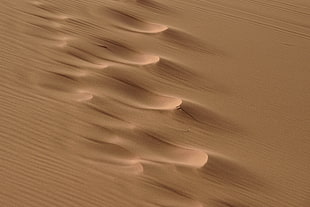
(146,103)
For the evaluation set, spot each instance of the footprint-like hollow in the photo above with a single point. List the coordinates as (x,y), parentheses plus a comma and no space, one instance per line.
(105,152)
(154,5)
(188,41)
(177,74)
(62,85)
(100,50)
(228,172)
(206,116)
(170,196)
(151,148)
(130,93)
(134,24)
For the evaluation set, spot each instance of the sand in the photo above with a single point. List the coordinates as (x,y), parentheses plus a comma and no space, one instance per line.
(145,103)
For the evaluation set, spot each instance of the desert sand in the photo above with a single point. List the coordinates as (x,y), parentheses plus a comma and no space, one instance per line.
(146,103)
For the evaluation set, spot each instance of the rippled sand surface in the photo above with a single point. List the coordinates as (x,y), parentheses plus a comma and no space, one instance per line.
(145,103)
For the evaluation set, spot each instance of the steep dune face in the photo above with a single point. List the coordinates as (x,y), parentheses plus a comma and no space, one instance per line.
(154,103)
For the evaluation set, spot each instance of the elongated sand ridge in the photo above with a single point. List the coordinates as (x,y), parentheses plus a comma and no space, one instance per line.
(146,103)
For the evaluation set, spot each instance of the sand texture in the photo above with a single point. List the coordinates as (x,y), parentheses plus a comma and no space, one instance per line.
(154,103)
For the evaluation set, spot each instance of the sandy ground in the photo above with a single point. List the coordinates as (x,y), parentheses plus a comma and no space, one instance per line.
(145,103)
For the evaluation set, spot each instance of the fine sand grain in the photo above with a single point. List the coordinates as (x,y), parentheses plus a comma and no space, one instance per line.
(146,103)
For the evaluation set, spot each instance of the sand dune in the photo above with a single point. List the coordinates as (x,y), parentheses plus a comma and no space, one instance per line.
(151,103)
